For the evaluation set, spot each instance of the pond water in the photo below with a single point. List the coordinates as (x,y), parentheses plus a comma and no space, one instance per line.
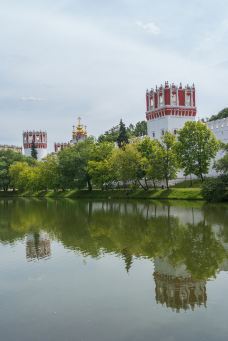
(108,271)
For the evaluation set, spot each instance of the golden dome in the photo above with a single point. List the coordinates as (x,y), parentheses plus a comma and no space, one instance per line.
(79,131)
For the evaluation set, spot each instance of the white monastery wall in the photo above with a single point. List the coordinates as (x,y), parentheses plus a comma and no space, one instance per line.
(41,152)
(220,129)
(157,127)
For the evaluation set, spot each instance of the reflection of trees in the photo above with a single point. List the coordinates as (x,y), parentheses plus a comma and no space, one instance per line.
(217,216)
(7,233)
(128,259)
(203,253)
(127,229)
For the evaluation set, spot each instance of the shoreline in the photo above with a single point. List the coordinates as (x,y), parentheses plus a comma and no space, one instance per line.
(158,194)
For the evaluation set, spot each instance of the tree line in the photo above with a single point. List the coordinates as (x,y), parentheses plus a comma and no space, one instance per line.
(136,162)
(222,114)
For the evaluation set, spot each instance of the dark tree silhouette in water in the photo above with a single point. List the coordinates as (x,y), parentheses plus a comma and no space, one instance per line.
(128,259)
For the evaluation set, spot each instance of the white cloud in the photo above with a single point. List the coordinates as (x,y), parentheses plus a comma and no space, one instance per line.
(32,99)
(149,27)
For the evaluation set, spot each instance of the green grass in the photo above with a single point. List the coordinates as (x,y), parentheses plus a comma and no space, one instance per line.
(168,194)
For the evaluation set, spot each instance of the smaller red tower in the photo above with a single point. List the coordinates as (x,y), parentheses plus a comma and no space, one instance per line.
(39,138)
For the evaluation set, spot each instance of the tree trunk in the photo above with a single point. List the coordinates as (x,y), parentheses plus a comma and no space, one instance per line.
(146,183)
(89,185)
(167,182)
(154,184)
(191,180)
(145,189)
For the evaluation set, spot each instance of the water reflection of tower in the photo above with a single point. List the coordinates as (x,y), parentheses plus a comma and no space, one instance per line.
(38,246)
(175,288)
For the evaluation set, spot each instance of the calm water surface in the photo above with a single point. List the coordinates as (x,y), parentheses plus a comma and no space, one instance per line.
(108,271)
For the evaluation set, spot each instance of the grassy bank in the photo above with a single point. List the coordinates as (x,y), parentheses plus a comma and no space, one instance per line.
(168,194)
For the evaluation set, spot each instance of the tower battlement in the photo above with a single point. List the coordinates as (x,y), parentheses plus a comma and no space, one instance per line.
(170,99)
(39,139)
(168,107)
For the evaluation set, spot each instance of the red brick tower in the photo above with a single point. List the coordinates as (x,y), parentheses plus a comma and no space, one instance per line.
(168,108)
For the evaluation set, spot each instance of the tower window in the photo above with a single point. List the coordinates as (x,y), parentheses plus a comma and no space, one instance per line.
(153,134)
(163,132)
(174,99)
(161,100)
(188,100)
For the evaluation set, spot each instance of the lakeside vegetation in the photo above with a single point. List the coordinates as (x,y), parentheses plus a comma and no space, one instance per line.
(159,194)
(131,167)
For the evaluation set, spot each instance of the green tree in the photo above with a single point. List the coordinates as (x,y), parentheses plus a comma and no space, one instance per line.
(196,148)
(33,151)
(73,165)
(152,151)
(110,135)
(102,151)
(214,189)
(221,165)
(49,173)
(99,166)
(222,114)
(169,163)
(128,165)
(21,176)
(7,158)
(100,173)
(122,138)
(140,129)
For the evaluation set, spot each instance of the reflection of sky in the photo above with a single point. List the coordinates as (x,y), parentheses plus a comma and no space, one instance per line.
(70,298)
(96,58)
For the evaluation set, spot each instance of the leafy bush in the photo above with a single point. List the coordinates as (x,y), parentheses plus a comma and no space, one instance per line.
(214,190)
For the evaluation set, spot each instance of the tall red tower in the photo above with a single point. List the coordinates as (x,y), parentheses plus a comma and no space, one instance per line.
(169,107)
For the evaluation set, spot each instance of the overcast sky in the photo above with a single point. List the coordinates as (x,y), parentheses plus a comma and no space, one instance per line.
(95,58)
